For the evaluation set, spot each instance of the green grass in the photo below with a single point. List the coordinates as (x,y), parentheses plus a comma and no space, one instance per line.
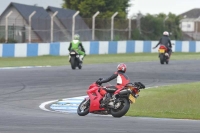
(177,101)
(91,59)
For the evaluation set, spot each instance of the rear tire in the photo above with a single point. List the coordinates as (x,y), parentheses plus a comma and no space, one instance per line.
(73,62)
(162,58)
(83,108)
(122,109)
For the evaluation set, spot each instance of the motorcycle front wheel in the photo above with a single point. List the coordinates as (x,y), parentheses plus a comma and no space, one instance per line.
(121,108)
(73,62)
(83,108)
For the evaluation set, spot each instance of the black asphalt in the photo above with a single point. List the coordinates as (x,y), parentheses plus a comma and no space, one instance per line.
(23,90)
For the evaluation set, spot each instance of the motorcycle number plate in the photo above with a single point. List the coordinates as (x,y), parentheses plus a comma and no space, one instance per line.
(161,50)
(131,98)
(72,53)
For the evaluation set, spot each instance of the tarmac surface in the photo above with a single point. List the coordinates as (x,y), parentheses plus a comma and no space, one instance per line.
(23,90)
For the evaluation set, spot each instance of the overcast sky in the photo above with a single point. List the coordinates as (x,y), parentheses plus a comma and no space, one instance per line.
(144,6)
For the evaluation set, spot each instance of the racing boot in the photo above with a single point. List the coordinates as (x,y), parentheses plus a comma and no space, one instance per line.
(105,100)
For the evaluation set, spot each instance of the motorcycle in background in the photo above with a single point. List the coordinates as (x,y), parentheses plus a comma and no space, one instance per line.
(121,101)
(74,60)
(163,54)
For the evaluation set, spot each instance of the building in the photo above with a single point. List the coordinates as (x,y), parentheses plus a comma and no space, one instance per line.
(190,24)
(19,24)
(63,21)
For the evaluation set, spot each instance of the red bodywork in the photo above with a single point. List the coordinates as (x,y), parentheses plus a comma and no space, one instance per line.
(163,47)
(94,97)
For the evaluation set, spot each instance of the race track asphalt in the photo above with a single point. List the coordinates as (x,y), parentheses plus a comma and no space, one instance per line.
(23,90)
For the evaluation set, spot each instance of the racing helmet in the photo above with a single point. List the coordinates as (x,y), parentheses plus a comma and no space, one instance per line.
(76,37)
(121,67)
(165,33)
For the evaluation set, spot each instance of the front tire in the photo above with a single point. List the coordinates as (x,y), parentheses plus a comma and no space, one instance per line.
(73,62)
(122,109)
(83,108)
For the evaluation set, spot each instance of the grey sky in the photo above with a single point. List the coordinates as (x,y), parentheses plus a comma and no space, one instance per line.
(41,3)
(145,6)
(157,6)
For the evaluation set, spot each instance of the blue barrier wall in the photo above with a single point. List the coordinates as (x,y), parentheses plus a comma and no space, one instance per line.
(93,47)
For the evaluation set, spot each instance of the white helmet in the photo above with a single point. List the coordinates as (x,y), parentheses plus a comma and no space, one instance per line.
(166,33)
(76,37)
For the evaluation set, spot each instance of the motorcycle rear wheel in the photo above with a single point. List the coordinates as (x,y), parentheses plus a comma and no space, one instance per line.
(162,58)
(83,108)
(122,109)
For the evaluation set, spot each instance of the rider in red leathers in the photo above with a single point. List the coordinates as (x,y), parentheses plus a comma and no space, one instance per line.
(122,80)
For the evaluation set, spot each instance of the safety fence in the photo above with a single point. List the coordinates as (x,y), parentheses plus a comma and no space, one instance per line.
(92,47)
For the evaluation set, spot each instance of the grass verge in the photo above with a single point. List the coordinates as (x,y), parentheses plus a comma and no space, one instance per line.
(177,101)
(91,59)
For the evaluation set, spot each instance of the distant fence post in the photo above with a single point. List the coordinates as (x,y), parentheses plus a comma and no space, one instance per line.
(164,21)
(129,27)
(6,27)
(112,24)
(73,23)
(30,23)
(93,25)
(52,17)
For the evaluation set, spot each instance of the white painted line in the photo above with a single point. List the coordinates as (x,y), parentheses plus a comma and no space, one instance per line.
(6,68)
(42,106)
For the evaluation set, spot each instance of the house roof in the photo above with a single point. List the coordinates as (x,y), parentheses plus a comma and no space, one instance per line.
(65,17)
(38,20)
(193,13)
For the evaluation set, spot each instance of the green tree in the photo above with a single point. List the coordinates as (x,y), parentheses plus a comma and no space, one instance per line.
(152,26)
(106,8)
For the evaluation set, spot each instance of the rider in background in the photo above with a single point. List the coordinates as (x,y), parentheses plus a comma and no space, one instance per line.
(165,40)
(122,80)
(77,46)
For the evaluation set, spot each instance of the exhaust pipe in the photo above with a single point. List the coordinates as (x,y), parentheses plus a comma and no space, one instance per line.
(124,92)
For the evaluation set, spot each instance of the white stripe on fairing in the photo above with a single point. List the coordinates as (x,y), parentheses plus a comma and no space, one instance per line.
(121,48)
(139,46)
(20,50)
(197,46)
(185,46)
(153,44)
(103,47)
(43,49)
(86,45)
(64,48)
(1,50)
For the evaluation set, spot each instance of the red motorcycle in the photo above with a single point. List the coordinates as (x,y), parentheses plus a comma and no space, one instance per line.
(163,54)
(121,101)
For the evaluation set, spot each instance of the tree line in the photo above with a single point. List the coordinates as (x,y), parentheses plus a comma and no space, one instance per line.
(145,27)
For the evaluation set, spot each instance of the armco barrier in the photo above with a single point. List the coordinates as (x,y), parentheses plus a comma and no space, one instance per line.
(93,47)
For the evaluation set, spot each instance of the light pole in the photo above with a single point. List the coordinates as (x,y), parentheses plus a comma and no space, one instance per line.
(112,24)
(93,25)
(164,21)
(73,23)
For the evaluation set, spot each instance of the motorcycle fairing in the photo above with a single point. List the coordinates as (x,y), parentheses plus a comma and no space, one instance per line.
(95,97)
